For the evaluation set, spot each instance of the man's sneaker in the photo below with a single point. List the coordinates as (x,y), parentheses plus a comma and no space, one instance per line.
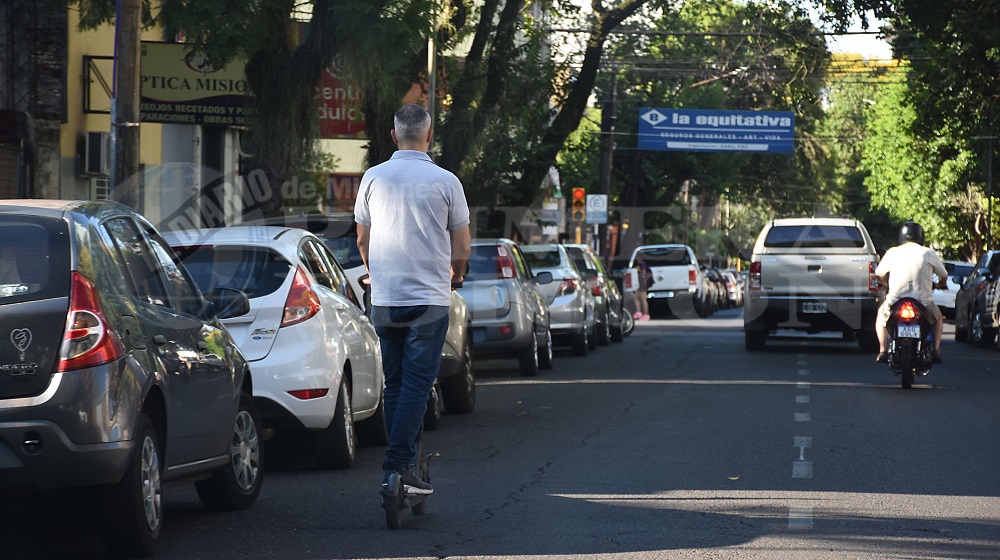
(882,358)
(936,357)
(413,485)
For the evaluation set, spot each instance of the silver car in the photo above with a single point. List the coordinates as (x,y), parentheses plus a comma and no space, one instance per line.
(609,303)
(568,297)
(509,316)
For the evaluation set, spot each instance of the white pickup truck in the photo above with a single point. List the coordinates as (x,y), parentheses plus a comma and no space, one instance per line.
(812,275)
(678,281)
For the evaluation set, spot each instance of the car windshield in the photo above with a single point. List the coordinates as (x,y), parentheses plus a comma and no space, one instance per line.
(814,236)
(256,271)
(542,257)
(34,259)
(665,256)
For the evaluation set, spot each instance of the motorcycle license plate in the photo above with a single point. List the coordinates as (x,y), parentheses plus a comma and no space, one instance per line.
(908,331)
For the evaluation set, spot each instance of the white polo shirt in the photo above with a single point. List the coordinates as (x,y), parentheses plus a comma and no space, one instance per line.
(411,206)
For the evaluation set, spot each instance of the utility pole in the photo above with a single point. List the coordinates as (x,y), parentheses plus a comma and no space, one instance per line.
(989,194)
(125,97)
(608,117)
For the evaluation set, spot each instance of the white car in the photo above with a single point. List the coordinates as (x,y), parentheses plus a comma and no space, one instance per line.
(958,271)
(314,354)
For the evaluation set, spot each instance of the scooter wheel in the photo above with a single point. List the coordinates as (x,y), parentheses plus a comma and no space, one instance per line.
(393,502)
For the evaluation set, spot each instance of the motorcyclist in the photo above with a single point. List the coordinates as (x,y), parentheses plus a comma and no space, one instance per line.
(910,268)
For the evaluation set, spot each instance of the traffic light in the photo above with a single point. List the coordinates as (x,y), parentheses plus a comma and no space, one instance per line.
(578,205)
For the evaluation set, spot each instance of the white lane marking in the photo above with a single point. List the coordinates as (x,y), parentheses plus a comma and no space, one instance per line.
(800,355)
(803,372)
(802,417)
(802,386)
(802,399)
(800,517)
(802,442)
(801,363)
(802,469)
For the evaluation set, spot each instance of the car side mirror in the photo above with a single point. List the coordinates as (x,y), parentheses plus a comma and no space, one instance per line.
(229,302)
(543,278)
(590,274)
(984,272)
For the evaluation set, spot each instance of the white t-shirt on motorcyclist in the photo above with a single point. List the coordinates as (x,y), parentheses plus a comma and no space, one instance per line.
(911,267)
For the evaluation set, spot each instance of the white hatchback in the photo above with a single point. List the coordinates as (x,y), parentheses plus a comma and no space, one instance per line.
(314,354)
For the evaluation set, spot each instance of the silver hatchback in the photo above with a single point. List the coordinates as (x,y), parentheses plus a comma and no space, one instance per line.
(568,297)
(509,315)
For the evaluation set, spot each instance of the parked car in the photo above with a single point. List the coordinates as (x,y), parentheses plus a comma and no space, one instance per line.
(734,287)
(509,315)
(570,301)
(116,373)
(679,284)
(609,302)
(958,271)
(314,353)
(977,302)
(455,390)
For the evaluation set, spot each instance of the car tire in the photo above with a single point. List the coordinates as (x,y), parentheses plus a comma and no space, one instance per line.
(754,341)
(581,345)
(237,485)
(459,391)
(604,330)
(131,511)
(592,339)
(528,357)
(372,431)
(336,445)
(435,409)
(618,333)
(979,335)
(546,353)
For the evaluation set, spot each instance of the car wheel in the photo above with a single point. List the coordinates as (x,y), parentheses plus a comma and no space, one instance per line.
(592,338)
(754,341)
(435,409)
(528,357)
(459,391)
(961,334)
(237,485)
(335,446)
(131,511)
(978,334)
(604,330)
(628,323)
(618,333)
(545,353)
(580,343)
(372,431)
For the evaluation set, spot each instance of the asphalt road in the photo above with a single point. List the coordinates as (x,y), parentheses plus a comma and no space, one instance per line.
(674,444)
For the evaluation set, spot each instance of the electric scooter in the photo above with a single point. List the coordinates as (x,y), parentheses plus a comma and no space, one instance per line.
(395,500)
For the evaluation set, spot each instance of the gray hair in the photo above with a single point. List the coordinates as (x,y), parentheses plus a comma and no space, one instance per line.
(411,123)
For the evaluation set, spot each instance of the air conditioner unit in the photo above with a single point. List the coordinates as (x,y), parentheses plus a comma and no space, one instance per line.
(100,188)
(97,154)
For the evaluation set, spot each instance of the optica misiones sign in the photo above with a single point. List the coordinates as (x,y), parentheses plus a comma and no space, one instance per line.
(688,130)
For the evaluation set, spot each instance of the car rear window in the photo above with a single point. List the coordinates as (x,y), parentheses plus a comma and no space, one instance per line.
(34,258)
(665,256)
(814,236)
(542,258)
(576,254)
(256,271)
(345,249)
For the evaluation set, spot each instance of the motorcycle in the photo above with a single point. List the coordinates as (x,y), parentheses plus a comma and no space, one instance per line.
(910,340)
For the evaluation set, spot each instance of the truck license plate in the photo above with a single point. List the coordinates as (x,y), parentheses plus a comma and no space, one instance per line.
(814,307)
(908,331)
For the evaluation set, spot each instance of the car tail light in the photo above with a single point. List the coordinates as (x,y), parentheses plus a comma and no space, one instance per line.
(307,394)
(301,303)
(88,340)
(872,278)
(567,286)
(754,275)
(505,264)
(595,287)
(692,277)
(907,311)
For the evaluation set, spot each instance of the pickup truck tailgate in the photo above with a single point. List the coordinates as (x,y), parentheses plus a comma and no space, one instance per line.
(815,273)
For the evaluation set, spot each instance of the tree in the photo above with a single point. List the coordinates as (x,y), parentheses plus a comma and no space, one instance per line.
(928,181)
(287,44)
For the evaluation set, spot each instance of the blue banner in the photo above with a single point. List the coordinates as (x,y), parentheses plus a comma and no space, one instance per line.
(688,130)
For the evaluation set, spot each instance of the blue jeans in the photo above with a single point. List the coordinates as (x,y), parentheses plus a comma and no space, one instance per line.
(412,338)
